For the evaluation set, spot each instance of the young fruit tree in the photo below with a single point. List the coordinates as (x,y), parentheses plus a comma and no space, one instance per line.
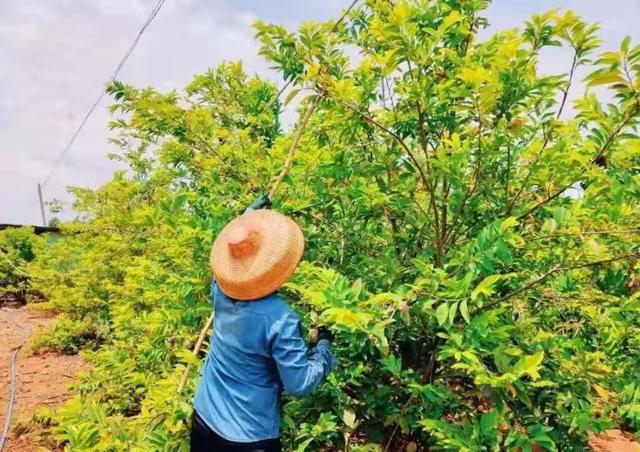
(472,235)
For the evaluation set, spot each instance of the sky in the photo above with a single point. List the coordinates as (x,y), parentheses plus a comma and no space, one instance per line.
(56,55)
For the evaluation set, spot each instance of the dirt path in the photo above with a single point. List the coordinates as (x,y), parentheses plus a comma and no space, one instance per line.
(41,380)
(613,441)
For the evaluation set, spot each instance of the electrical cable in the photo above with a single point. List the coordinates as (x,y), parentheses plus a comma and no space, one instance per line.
(115,73)
(12,383)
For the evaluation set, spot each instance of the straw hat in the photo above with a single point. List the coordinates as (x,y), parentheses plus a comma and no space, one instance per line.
(256,253)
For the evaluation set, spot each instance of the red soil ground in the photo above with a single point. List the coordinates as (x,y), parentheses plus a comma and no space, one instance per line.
(41,380)
(614,441)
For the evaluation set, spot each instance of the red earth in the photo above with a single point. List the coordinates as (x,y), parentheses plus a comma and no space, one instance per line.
(41,379)
(613,441)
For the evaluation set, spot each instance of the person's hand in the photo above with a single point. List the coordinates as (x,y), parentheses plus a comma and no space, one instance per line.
(319,333)
(261,202)
(325,333)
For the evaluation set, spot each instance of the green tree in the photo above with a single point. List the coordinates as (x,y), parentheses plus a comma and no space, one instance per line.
(471,239)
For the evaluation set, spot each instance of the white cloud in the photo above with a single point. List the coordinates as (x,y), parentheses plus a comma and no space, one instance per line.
(55,56)
(617,19)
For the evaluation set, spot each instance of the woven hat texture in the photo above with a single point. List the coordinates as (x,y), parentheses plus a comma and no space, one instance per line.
(255,254)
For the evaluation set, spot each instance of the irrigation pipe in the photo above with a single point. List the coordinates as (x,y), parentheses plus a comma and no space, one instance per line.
(12,384)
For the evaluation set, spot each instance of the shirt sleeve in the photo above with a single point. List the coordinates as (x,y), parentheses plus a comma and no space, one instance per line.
(214,290)
(300,369)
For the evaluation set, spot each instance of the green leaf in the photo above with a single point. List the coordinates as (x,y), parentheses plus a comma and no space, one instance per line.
(530,365)
(349,419)
(453,18)
(489,423)
(624,46)
(291,95)
(453,310)
(475,76)
(508,223)
(604,78)
(186,356)
(356,288)
(441,313)
(486,286)
(464,310)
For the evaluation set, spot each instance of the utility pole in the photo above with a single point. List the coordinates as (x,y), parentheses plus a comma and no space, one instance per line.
(44,218)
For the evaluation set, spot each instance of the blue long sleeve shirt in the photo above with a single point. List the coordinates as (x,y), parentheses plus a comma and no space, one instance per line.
(256,351)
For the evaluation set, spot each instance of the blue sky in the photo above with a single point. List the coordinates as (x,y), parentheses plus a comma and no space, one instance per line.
(55,56)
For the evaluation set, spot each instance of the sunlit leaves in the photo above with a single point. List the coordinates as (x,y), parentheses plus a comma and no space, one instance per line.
(455,211)
(485,287)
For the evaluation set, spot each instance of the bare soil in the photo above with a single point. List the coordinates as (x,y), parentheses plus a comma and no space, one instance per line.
(41,380)
(614,441)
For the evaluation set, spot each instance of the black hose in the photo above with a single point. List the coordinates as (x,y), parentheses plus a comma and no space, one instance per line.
(12,383)
(12,394)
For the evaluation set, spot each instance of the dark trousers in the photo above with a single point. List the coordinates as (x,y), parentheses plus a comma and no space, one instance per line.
(203,439)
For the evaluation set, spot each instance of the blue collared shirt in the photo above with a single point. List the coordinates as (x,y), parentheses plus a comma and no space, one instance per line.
(256,351)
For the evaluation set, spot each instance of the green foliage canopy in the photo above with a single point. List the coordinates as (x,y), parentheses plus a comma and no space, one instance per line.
(472,239)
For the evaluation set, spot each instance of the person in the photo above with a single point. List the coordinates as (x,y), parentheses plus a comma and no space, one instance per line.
(256,350)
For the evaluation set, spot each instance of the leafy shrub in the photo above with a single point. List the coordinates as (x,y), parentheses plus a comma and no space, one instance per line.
(16,251)
(70,336)
(475,252)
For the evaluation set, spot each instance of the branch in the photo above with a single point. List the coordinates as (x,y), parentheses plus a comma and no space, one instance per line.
(439,228)
(230,171)
(547,138)
(544,201)
(617,130)
(604,148)
(508,175)
(344,15)
(456,222)
(555,269)
(292,149)
(394,135)
(196,349)
(390,94)
(453,239)
(574,64)
(15,268)
(469,36)
(302,209)
(603,232)
(395,429)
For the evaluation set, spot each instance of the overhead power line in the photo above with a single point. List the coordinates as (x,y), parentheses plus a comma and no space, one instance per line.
(113,76)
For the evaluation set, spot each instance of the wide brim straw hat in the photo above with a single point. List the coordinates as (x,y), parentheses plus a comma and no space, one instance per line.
(255,254)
